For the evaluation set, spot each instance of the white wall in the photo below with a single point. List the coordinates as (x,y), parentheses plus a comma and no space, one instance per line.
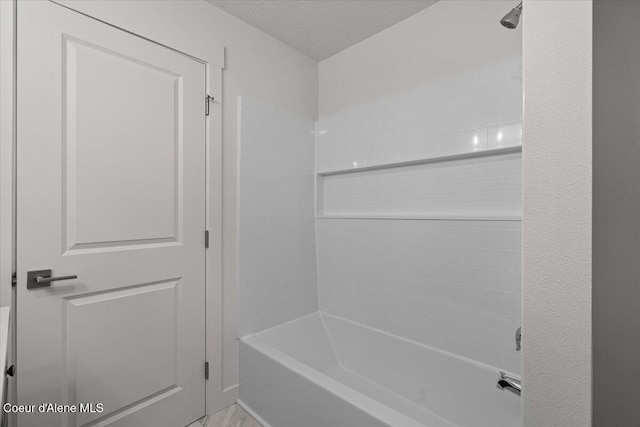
(277,277)
(256,65)
(557,213)
(441,41)
(445,271)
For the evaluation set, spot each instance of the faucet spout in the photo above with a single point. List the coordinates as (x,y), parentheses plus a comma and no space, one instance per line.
(511,384)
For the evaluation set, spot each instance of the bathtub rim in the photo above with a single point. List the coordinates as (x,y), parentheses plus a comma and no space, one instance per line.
(360,401)
(322,314)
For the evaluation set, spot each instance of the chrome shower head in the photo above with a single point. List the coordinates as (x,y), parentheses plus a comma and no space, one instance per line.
(512,18)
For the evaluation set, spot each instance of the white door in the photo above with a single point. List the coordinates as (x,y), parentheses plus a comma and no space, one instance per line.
(111,188)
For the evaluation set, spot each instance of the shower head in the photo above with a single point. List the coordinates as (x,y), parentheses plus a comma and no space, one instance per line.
(512,18)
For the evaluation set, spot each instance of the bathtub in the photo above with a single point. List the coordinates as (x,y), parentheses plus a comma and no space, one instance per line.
(325,371)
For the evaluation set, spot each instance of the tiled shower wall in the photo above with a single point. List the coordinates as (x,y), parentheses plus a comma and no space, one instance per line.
(276,274)
(478,110)
(454,285)
(410,269)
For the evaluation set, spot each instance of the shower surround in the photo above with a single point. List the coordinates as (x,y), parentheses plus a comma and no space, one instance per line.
(412,309)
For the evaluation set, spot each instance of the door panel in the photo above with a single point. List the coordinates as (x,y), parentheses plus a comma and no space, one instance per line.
(126,149)
(100,323)
(111,187)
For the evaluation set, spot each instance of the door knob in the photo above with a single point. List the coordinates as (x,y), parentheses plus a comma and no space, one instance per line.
(42,278)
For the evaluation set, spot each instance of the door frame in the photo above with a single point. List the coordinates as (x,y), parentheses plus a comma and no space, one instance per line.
(213,60)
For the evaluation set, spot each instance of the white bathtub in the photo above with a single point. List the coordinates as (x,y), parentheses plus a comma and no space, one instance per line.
(324,371)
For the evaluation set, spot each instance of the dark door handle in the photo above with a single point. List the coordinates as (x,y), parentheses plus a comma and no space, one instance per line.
(42,278)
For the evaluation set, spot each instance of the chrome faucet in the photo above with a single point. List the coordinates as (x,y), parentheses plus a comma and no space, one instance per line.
(518,338)
(507,383)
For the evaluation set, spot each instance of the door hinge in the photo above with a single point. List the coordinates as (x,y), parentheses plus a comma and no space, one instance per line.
(10,371)
(206,370)
(14,280)
(207,100)
(206,239)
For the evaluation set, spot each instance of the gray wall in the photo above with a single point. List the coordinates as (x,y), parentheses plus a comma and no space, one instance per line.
(616,213)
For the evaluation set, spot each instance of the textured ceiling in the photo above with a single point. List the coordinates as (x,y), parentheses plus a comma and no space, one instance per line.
(321,28)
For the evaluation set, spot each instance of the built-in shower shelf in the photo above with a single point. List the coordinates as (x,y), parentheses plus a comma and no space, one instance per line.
(465,190)
(471,217)
(426,160)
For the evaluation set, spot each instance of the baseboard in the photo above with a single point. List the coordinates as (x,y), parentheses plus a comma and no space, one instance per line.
(253,414)
(229,396)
